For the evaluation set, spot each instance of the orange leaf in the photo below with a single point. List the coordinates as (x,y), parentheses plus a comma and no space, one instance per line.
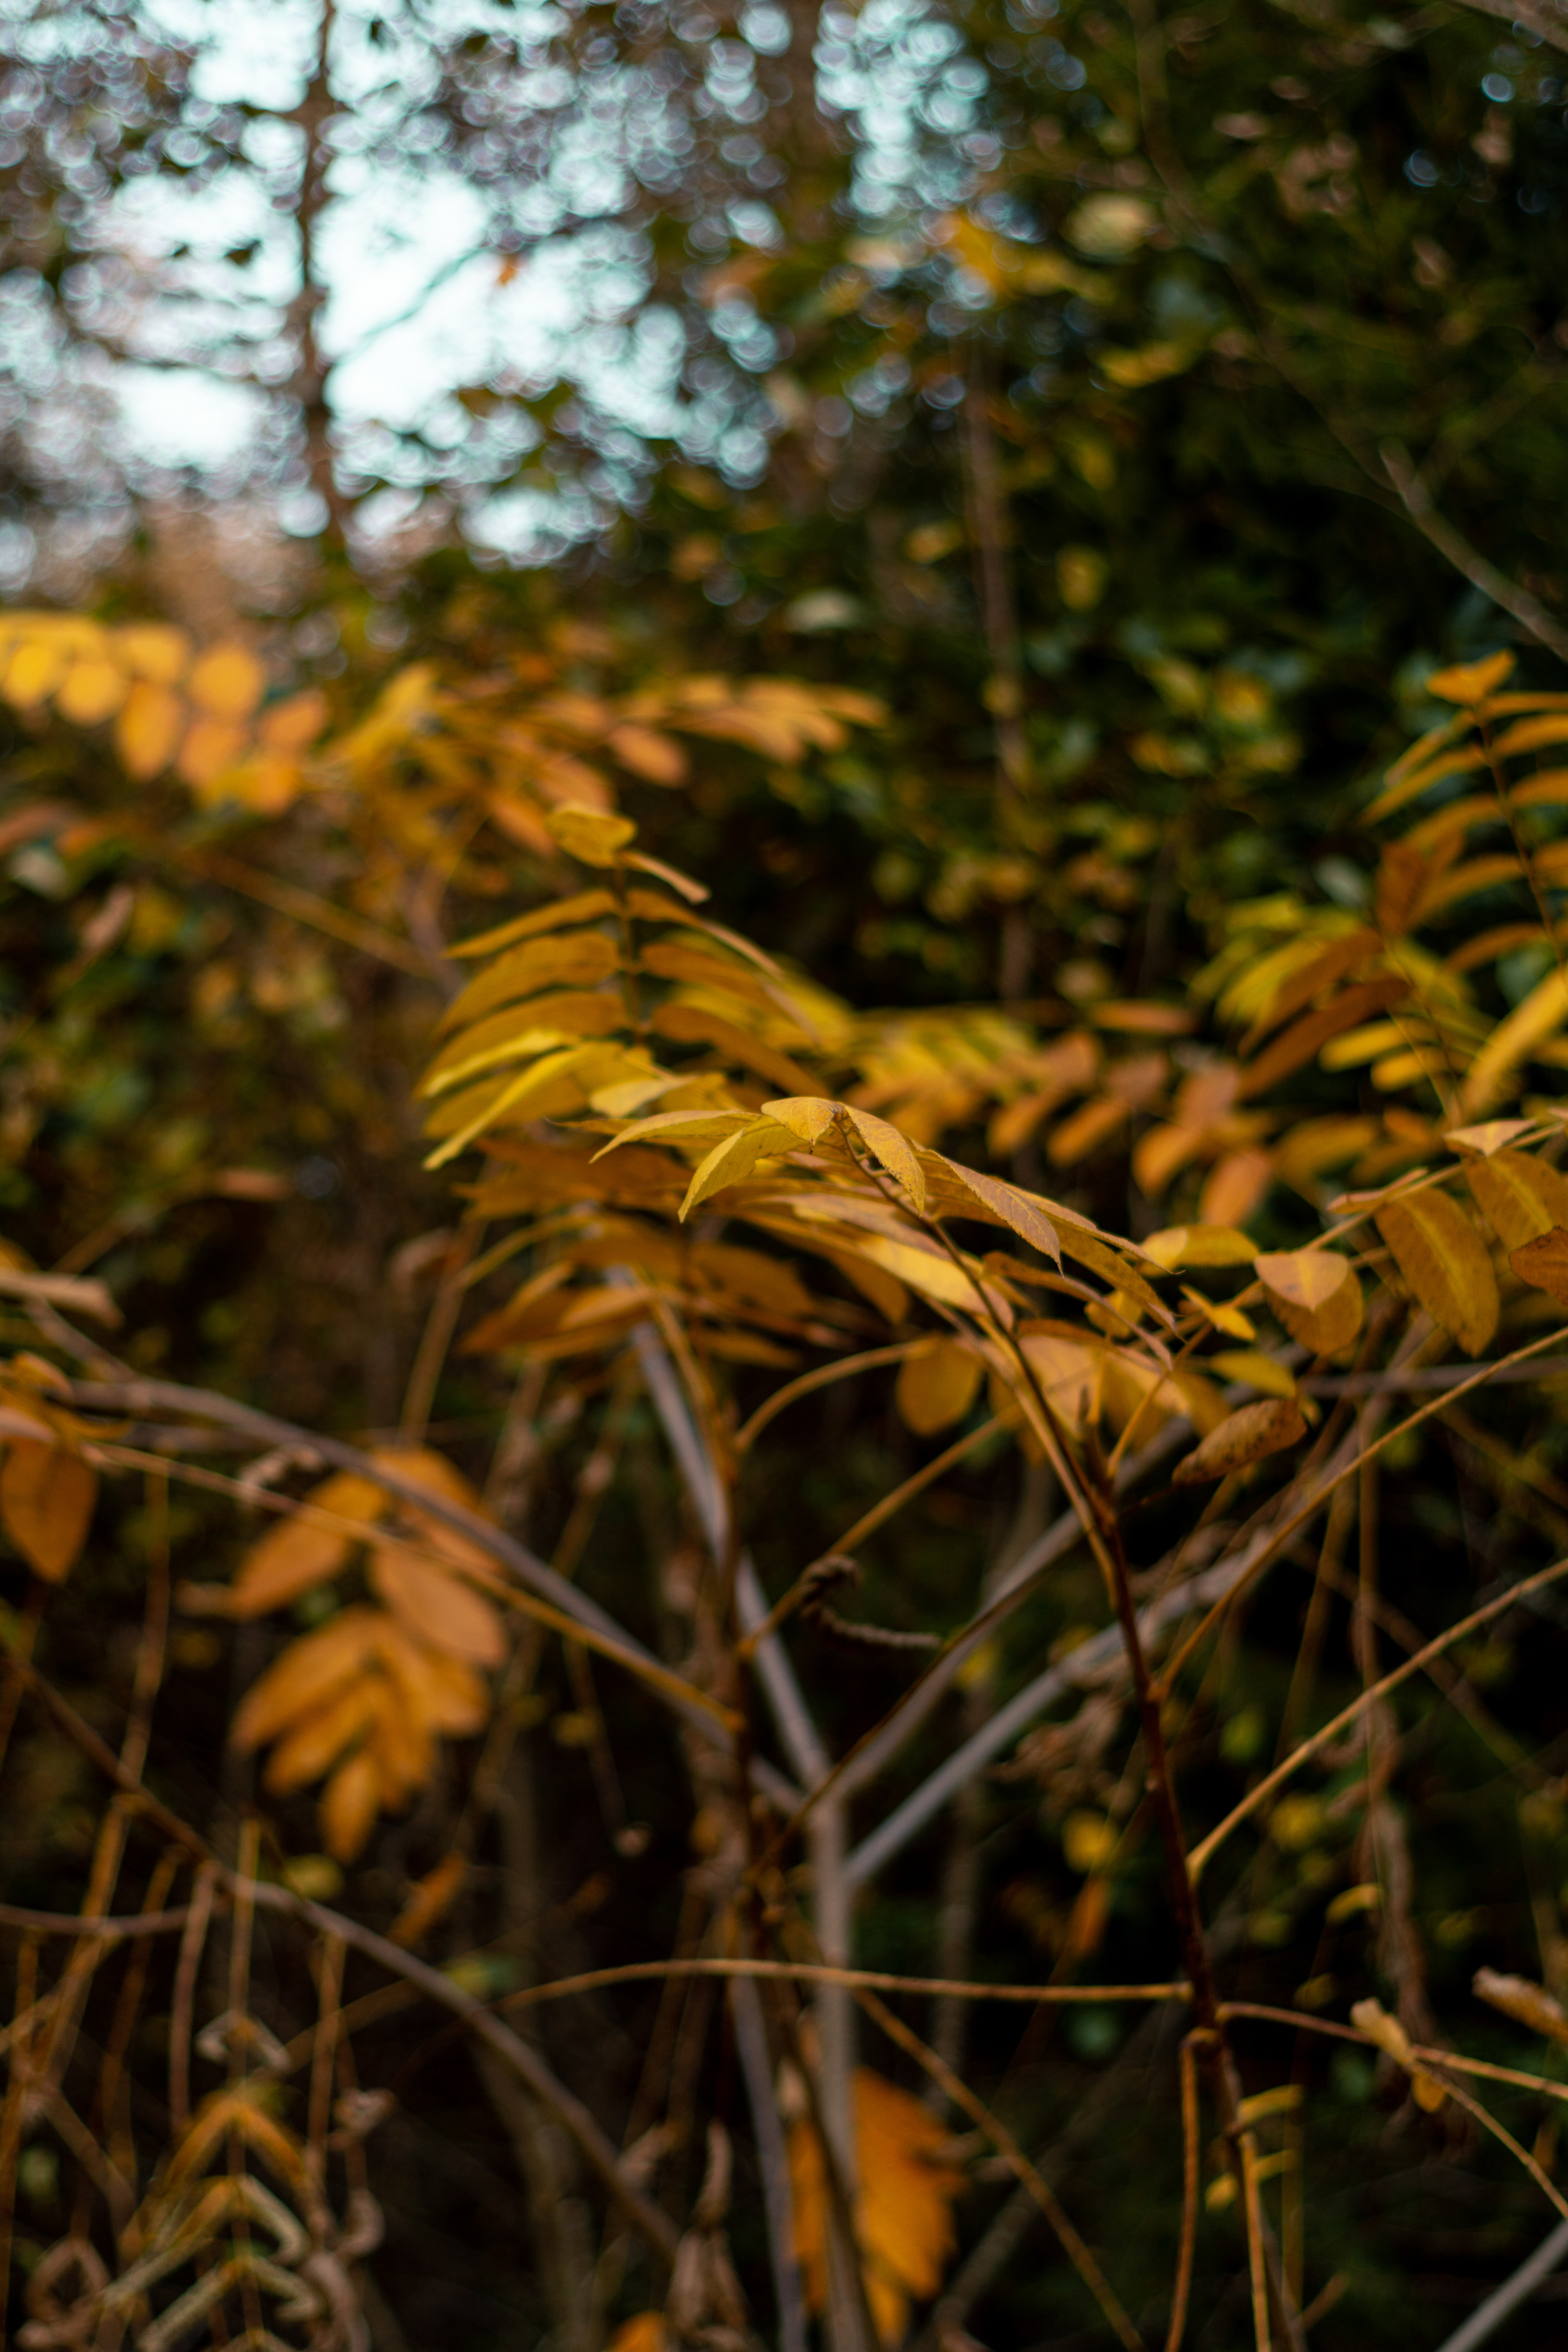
(46,1497)
(349,1804)
(903,2217)
(443,1692)
(227,682)
(1471,682)
(438,1609)
(306,1674)
(293,1555)
(211,748)
(430,1899)
(293,725)
(314,1745)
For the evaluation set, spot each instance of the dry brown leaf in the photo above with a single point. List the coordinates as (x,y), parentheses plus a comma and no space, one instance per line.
(1543,1263)
(1244,1436)
(47,1494)
(1445,1261)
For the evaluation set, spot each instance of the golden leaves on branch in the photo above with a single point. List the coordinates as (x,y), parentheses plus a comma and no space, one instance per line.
(172,707)
(903,2214)
(365,1697)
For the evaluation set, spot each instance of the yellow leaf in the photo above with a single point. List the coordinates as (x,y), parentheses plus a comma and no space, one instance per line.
(1199,1246)
(440,1609)
(211,748)
(35,670)
(591,837)
(1445,1261)
(349,1804)
(91,692)
(1529,1024)
(306,1674)
(1258,1371)
(46,1497)
(585,907)
(936,1385)
(809,1117)
(1518,1196)
(732,1160)
(577,961)
(1489,1135)
(895,1151)
(1471,682)
(903,2217)
(1242,1437)
(1229,1319)
(1543,1264)
(148,729)
(153,650)
(1016,1208)
(1315,1296)
(227,682)
(292,1556)
(1088,1841)
(1530,734)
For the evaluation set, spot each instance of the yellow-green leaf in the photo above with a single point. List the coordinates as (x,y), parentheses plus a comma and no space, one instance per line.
(808,1117)
(1445,1261)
